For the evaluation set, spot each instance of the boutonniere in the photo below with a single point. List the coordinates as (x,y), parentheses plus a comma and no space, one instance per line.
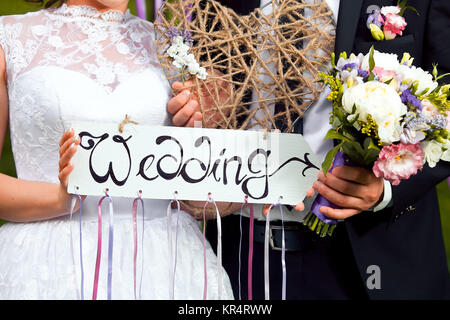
(386,23)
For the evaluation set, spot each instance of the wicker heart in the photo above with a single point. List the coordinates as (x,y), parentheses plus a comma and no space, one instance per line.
(262,68)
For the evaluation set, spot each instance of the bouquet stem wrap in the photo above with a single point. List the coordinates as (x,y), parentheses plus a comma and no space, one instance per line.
(316,220)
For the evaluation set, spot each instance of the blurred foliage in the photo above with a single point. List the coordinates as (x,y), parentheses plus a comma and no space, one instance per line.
(7,162)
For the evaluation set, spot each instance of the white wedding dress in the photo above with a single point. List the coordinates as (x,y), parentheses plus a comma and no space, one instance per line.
(74,63)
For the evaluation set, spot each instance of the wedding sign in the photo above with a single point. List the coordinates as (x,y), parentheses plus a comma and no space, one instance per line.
(160,162)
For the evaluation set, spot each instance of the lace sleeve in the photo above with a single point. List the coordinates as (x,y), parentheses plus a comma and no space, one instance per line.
(2,37)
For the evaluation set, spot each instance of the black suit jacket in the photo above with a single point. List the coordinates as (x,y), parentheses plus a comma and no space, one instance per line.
(405,240)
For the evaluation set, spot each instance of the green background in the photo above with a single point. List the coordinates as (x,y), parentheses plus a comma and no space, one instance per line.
(7,163)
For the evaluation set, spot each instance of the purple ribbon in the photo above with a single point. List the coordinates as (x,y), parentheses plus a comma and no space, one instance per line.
(339,160)
(158,4)
(141,9)
(81,240)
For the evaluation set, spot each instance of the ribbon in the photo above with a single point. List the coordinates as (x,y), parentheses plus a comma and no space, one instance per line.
(158,4)
(141,9)
(219,249)
(266,255)
(250,252)
(74,201)
(339,160)
(283,255)
(250,249)
(172,261)
(134,214)
(99,248)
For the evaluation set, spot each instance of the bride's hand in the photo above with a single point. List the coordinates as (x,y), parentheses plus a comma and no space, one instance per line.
(185,106)
(67,148)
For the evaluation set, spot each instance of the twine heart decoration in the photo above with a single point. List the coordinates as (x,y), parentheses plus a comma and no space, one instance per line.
(254,62)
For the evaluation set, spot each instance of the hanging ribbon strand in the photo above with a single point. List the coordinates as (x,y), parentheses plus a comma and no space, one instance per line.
(135,236)
(99,247)
(74,201)
(250,250)
(219,249)
(172,260)
(141,9)
(266,254)
(158,4)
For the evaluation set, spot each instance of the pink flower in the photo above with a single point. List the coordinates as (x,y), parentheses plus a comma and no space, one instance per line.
(398,162)
(394,25)
(383,74)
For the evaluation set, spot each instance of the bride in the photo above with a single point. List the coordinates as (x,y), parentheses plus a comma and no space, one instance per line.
(84,60)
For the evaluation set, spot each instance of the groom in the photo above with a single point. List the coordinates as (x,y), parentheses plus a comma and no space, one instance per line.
(390,244)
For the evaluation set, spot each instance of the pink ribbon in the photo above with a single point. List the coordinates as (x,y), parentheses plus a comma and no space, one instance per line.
(99,248)
(135,236)
(250,253)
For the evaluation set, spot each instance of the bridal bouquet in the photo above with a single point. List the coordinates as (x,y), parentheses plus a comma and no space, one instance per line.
(388,116)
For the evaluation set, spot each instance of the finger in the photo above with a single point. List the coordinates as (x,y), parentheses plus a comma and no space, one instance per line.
(185,113)
(67,135)
(68,144)
(196,117)
(266,209)
(338,198)
(177,85)
(344,186)
(177,102)
(310,192)
(355,174)
(63,175)
(300,206)
(339,213)
(67,156)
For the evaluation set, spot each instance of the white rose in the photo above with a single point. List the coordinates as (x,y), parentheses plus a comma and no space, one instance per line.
(380,101)
(387,61)
(410,74)
(433,152)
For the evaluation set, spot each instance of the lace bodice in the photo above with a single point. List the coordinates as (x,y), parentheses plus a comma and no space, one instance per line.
(75,63)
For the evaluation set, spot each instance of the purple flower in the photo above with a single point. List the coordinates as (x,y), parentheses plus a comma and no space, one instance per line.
(172,33)
(409,99)
(187,37)
(349,66)
(374,18)
(363,73)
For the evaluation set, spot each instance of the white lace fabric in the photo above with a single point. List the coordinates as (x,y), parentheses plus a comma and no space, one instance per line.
(75,63)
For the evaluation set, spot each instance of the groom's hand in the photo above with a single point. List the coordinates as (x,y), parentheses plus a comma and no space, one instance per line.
(353,189)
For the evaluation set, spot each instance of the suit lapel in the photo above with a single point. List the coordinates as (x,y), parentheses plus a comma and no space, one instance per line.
(349,11)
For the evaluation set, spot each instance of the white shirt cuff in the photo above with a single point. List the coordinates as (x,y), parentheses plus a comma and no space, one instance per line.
(386,198)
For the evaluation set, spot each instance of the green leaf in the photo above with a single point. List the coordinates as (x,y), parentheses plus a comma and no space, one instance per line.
(326,165)
(371,59)
(389,81)
(442,75)
(333,60)
(331,134)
